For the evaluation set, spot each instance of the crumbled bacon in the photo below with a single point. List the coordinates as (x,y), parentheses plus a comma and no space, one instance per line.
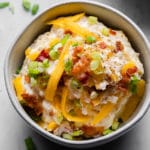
(119,46)
(33,102)
(43,55)
(81,66)
(83,77)
(68,32)
(131,71)
(112,32)
(102,45)
(123,84)
(60,49)
(76,51)
(51,113)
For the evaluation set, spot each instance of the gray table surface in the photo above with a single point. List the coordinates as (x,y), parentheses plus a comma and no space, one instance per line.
(13,129)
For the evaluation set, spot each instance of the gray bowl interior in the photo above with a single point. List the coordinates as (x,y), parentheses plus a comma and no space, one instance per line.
(110,17)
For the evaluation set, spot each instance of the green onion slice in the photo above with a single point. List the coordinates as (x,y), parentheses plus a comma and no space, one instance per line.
(35,9)
(29,144)
(92,20)
(26,4)
(4,4)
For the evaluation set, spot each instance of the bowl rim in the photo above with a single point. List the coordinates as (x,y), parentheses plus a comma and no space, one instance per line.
(23,114)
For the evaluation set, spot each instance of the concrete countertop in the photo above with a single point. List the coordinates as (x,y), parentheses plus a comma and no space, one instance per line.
(13,129)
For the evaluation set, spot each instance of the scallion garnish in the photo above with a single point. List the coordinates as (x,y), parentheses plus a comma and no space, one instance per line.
(105,31)
(67,136)
(65,38)
(54,54)
(75,44)
(133,84)
(68,66)
(29,144)
(77,133)
(4,4)
(90,39)
(115,125)
(26,5)
(35,9)
(107,131)
(92,20)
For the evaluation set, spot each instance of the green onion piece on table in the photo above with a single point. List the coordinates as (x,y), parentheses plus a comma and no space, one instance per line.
(26,5)
(4,4)
(29,144)
(35,9)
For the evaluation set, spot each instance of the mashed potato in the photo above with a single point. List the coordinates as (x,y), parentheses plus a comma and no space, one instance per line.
(81,79)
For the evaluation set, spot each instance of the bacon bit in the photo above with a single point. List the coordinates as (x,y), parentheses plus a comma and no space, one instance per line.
(68,32)
(119,46)
(81,66)
(51,113)
(90,131)
(60,49)
(43,55)
(83,77)
(112,32)
(102,45)
(75,59)
(33,102)
(27,78)
(123,84)
(76,51)
(131,71)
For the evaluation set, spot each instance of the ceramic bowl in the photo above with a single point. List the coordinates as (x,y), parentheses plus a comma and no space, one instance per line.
(111,17)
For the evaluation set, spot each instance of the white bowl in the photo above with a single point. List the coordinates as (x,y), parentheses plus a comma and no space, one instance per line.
(110,17)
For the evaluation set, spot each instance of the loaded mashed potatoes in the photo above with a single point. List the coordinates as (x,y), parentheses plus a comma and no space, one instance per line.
(81,79)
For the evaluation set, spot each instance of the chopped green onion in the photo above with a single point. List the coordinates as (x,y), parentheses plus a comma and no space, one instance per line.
(67,136)
(93,95)
(107,131)
(94,65)
(75,44)
(29,144)
(59,118)
(33,69)
(105,31)
(35,9)
(45,63)
(4,4)
(95,55)
(54,54)
(64,40)
(68,66)
(92,20)
(115,125)
(133,84)
(90,39)
(75,84)
(77,133)
(18,70)
(26,4)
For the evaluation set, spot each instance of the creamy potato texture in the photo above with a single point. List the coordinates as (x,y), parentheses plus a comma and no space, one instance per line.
(81,79)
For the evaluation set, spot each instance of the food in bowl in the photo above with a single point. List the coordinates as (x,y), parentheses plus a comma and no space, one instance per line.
(81,79)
